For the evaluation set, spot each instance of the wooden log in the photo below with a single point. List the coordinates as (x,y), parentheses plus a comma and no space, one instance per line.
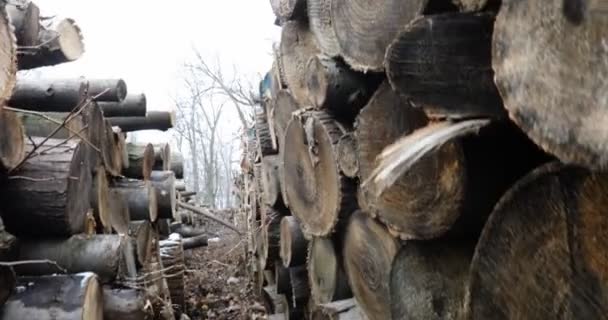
(368,253)
(113,90)
(476,5)
(300,289)
(40,127)
(333,86)
(100,200)
(72,297)
(141,161)
(145,242)
(52,189)
(274,302)
(125,303)
(347,155)
(428,279)
(297,47)
(94,123)
(120,217)
(8,57)
(154,120)
(180,185)
(364,29)
(282,281)
(58,41)
(111,156)
(338,310)
(326,274)
(172,258)
(205,213)
(134,105)
(141,198)
(455,85)
(271,237)
(262,131)
(121,151)
(177,165)
(286,10)
(570,63)
(7,283)
(25,18)
(321,25)
(49,95)
(293,243)
(195,242)
(186,231)
(157,289)
(164,184)
(546,241)
(162,157)
(271,186)
(12,140)
(319,195)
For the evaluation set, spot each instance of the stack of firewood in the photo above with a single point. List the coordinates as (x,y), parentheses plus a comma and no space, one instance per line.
(432,160)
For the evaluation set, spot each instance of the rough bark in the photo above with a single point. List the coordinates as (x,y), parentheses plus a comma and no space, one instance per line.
(271,186)
(49,95)
(120,217)
(12,140)
(105,255)
(70,297)
(141,161)
(164,184)
(124,304)
(293,243)
(338,310)
(141,197)
(368,253)
(546,241)
(319,195)
(455,85)
(187,231)
(560,104)
(154,120)
(195,242)
(8,56)
(52,189)
(172,258)
(326,274)
(134,105)
(286,10)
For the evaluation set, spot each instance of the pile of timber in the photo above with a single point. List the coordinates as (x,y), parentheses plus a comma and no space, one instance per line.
(431,160)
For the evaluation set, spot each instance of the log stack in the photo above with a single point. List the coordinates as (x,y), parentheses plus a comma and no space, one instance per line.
(433,160)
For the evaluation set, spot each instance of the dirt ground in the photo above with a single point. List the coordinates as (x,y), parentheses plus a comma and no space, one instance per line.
(217,284)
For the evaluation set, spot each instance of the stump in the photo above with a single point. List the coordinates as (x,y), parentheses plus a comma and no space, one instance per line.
(270,181)
(545,240)
(8,56)
(50,190)
(293,243)
(134,105)
(141,161)
(562,104)
(124,304)
(172,258)
(443,63)
(368,253)
(164,183)
(12,140)
(428,279)
(326,275)
(141,198)
(321,25)
(70,297)
(319,195)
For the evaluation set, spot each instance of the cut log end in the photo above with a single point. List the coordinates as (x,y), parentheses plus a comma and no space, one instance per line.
(154,120)
(347,156)
(327,279)
(293,243)
(12,144)
(70,39)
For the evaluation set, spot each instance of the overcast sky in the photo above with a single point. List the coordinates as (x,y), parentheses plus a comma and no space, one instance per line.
(146,42)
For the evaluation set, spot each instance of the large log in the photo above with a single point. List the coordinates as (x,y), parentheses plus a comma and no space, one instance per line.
(172,258)
(164,184)
(546,243)
(326,274)
(457,85)
(119,215)
(134,105)
(8,56)
(12,140)
(125,304)
(100,200)
(105,255)
(141,197)
(141,161)
(154,120)
(49,95)
(319,195)
(321,25)
(293,243)
(428,280)
(368,253)
(286,10)
(338,310)
(69,297)
(297,47)
(25,18)
(195,242)
(52,189)
(271,187)
(560,104)
(364,29)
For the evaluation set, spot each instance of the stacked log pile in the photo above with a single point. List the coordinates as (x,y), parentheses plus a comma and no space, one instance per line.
(431,160)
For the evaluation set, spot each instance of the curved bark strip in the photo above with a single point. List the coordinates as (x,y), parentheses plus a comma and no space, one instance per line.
(562,104)
(368,253)
(12,140)
(364,29)
(546,241)
(319,195)
(293,243)
(8,56)
(328,281)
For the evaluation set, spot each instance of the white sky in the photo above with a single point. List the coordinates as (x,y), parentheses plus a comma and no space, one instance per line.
(146,42)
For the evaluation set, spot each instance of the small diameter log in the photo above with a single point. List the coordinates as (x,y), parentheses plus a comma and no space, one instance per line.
(154,120)
(457,85)
(368,253)
(113,90)
(25,18)
(164,184)
(8,56)
(70,297)
(105,255)
(186,231)
(282,111)
(428,280)
(347,155)
(321,25)
(300,289)
(134,105)
(195,242)
(546,243)
(172,258)
(162,225)
(328,282)
(319,195)
(141,198)
(141,161)
(297,47)
(286,10)
(270,181)
(12,140)
(49,95)
(560,104)
(364,29)
(180,185)
(293,243)
(262,131)
(125,304)
(282,281)
(51,190)
(338,310)
(162,157)
(177,165)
